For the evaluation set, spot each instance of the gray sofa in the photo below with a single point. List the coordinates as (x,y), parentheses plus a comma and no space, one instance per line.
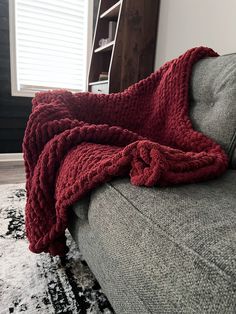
(173,249)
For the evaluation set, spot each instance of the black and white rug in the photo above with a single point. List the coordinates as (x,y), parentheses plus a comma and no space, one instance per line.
(33,283)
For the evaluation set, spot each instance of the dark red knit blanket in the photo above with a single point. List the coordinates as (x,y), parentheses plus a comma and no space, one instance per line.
(74,142)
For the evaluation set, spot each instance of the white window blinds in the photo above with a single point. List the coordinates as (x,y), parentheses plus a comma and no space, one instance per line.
(51,44)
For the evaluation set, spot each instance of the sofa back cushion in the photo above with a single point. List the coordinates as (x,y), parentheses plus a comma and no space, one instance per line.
(213,101)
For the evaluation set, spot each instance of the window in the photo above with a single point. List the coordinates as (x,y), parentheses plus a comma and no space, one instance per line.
(50,41)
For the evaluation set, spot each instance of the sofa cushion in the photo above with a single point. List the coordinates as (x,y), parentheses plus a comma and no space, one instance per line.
(169,250)
(213,100)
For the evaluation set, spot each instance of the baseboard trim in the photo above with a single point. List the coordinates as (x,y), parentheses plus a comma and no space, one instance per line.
(11,157)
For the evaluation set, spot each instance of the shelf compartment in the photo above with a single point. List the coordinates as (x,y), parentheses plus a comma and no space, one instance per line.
(98,82)
(107,47)
(99,87)
(112,12)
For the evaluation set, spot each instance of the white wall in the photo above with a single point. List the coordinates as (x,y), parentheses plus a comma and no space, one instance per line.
(184,24)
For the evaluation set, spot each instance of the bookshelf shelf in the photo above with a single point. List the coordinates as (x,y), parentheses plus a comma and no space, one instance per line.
(105,48)
(112,12)
(98,82)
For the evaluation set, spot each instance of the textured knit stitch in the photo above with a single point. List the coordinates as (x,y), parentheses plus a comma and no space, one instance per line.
(74,142)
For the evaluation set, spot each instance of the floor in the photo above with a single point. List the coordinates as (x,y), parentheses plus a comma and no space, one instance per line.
(64,285)
(11,169)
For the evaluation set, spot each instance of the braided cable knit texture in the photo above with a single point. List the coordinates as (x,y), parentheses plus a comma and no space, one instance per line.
(74,142)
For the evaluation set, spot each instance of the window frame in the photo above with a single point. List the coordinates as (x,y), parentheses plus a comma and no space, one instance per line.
(15,91)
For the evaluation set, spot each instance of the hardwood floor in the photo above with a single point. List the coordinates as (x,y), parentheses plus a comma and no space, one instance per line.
(11,169)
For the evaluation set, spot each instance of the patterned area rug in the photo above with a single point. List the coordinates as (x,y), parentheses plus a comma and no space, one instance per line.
(32,283)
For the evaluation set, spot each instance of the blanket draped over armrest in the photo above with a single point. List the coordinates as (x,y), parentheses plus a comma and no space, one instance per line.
(75,142)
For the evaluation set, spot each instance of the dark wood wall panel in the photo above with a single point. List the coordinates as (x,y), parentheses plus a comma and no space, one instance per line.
(14,111)
(6,146)
(3,8)
(11,134)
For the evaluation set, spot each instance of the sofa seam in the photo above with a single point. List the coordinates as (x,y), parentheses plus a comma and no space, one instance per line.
(185,248)
(232,146)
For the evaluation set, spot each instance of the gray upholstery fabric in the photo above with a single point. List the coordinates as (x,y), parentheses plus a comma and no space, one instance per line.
(213,100)
(163,250)
(171,250)
(81,207)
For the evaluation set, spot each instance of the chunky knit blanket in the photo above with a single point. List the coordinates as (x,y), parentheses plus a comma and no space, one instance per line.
(74,142)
